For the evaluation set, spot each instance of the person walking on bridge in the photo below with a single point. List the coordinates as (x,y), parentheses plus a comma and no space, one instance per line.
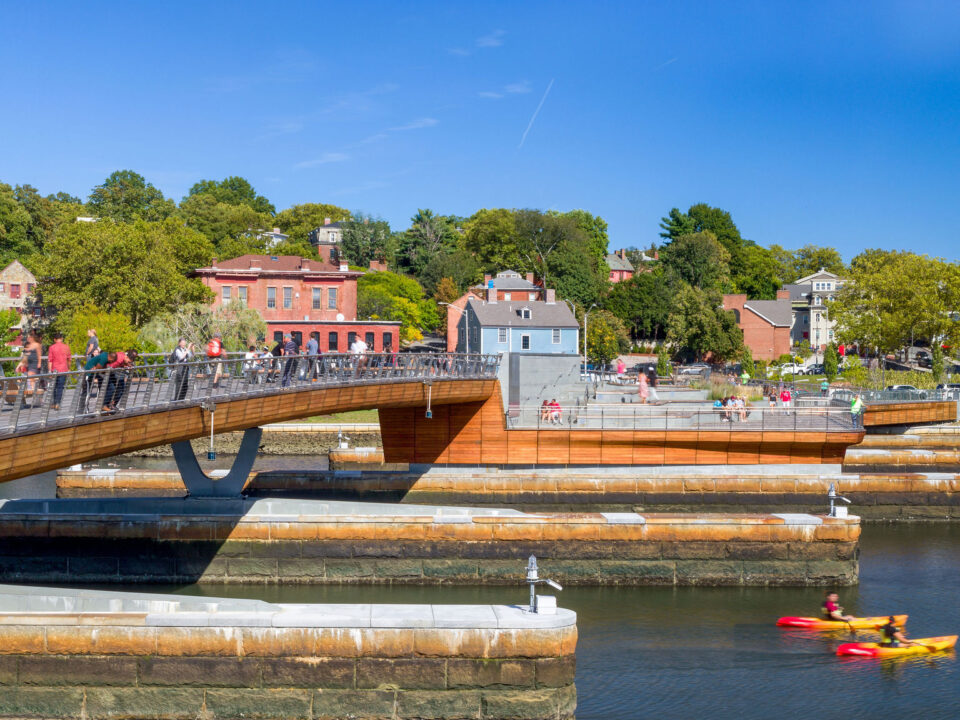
(93,344)
(313,358)
(215,357)
(58,360)
(290,352)
(180,377)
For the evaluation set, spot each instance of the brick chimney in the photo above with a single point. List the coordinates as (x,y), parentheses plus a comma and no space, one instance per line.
(486,279)
(213,262)
(783,294)
(530,278)
(491,295)
(551,296)
(326,221)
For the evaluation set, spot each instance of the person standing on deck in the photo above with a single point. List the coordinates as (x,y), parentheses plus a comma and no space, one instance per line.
(290,352)
(58,360)
(643,389)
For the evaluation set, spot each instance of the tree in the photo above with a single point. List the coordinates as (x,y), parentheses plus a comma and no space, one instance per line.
(222,222)
(698,325)
(746,361)
(139,269)
(892,297)
(761,275)
(429,235)
(643,303)
(831,362)
(113,328)
(812,258)
(459,266)
(575,273)
(785,264)
(854,372)
(15,227)
(936,362)
(238,324)
(126,196)
(366,239)
(491,235)
(594,229)
(446,293)
(539,235)
(606,337)
(697,259)
(10,321)
(663,361)
(389,296)
(298,220)
(234,190)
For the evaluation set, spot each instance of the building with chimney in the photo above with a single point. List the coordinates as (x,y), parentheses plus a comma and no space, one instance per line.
(765,323)
(304,297)
(811,319)
(506,286)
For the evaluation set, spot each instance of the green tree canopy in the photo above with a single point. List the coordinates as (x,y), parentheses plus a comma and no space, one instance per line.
(298,220)
(126,196)
(389,296)
(139,269)
(643,303)
(239,325)
(594,229)
(606,337)
(491,235)
(831,361)
(16,227)
(113,328)
(697,259)
(812,258)
(365,239)
(459,266)
(429,235)
(699,325)
(222,222)
(234,190)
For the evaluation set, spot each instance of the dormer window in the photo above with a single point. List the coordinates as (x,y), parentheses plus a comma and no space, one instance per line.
(525,313)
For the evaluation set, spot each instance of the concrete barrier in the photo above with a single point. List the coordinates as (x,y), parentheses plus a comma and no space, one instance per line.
(66,654)
(310,541)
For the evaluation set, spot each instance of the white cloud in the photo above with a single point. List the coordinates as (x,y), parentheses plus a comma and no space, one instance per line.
(519,88)
(494,39)
(326,158)
(416,124)
(459,52)
(490,94)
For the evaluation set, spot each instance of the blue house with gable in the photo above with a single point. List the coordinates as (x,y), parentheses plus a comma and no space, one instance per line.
(521,326)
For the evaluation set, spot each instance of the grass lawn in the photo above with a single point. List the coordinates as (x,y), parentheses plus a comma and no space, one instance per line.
(354,416)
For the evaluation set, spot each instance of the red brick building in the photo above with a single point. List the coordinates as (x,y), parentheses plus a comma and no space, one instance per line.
(765,323)
(301,296)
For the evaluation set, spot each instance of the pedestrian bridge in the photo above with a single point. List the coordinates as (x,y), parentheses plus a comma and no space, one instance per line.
(433,409)
(45,427)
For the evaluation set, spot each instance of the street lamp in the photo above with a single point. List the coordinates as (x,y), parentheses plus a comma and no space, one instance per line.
(466,317)
(585,316)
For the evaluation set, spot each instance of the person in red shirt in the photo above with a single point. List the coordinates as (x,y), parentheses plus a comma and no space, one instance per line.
(832,609)
(58,361)
(785,399)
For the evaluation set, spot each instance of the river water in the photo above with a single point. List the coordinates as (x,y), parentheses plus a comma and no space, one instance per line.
(715,652)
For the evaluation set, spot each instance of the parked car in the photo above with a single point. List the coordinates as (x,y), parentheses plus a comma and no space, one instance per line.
(907,390)
(792,369)
(924,359)
(815,369)
(695,369)
(951,391)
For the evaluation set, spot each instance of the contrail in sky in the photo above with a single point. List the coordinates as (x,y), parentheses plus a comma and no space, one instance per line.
(535,113)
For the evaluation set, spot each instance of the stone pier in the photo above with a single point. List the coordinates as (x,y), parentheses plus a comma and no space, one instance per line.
(312,541)
(89,654)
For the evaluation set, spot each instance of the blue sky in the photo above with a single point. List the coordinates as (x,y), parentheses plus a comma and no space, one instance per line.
(831,123)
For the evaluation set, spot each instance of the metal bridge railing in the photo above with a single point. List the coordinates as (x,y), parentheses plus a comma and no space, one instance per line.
(820,418)
(31,403)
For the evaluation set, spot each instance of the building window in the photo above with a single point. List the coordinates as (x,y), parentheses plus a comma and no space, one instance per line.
(525,313)
(334,237)
(333,342)
(30,287)
(351,339)
(278,337)
(332,298)
(242,295)
(816,300)
(501,335)
(334,256)
(830,335)
(532,296)
(14,290)
(556,336)
(318,298)
(3,287)
(226,294)
(524,342)
(506,296)
(297,337)
(368,339)
(271,297)
(388,341)
(287,298)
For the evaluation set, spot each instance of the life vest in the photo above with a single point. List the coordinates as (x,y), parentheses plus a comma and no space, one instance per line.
(887,633)
(214,348)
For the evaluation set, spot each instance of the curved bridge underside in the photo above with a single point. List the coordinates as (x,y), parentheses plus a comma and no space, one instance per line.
(50,449)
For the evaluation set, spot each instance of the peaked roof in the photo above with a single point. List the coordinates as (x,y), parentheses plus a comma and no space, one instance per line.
(507,313)
(615,262)
(819,274)
(776,312)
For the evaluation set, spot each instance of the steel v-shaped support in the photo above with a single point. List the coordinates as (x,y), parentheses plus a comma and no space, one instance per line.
(199,484)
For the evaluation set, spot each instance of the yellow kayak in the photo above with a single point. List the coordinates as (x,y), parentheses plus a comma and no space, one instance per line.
(929,645)
(815,623)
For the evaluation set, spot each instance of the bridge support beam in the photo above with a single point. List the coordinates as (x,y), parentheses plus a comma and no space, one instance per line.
(199,484)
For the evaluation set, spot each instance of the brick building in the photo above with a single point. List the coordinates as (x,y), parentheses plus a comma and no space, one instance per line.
(620,266)
(765,323)
(16,288)
(301,296)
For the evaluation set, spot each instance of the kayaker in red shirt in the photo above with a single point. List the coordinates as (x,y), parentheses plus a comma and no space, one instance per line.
(833,611)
